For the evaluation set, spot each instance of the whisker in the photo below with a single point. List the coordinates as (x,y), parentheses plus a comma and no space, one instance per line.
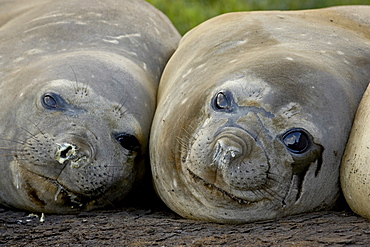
(115,166)
(79,88)
(186,132)
(124,98)
(9,148)
(274,177)
(33,136)
(273,194)
(6,158)
(19,141)
(6,155)
(74,73)
(101,191)
(258,193)
(122,103)
(120,108)
(191,127)
(37,127)
(182,142)
(188,136)
(61,170)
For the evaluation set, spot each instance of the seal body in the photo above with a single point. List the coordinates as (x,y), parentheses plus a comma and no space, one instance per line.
(78,87)
(254,110)
(355,167)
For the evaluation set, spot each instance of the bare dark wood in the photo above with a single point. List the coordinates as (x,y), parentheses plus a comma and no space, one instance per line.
(160,227)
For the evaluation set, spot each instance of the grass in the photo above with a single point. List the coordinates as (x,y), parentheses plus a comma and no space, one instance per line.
(186,14)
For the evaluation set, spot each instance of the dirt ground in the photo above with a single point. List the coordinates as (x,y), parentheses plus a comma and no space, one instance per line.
(158,226)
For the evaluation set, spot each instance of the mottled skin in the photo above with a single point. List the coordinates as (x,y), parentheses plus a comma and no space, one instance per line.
(78,84)
(254,110)
(355,167)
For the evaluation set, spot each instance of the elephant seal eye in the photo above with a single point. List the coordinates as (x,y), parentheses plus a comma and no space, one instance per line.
(128,141)
(49,102)
(54,102)
(296,141)
(222,101)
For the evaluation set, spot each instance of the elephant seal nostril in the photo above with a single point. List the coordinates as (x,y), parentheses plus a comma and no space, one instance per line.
(60,93)
(225,151)
(65,152)
(256,78)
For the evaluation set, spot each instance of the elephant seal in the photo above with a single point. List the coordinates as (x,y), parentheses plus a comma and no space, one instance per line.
(78,93)
(355,168)
(254,110)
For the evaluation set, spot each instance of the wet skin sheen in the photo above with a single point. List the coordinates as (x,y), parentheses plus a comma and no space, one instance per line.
(254,110)
(78,90)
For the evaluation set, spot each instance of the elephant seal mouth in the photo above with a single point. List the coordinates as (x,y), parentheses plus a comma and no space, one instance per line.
(292,195)
(62,195)
(232,162)
(213,187)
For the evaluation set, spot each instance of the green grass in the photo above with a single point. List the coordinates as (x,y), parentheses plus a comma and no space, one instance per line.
(186,14)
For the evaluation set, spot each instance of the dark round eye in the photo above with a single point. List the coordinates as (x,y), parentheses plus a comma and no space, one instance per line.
(128,141)
(48,101)
(222,101)
(297,141)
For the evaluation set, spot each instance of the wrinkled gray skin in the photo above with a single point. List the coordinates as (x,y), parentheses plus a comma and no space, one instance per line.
(254,110)
(355,166)
(78,84)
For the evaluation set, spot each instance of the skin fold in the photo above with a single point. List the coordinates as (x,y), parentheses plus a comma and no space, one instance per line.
(254,110)
(78,92)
